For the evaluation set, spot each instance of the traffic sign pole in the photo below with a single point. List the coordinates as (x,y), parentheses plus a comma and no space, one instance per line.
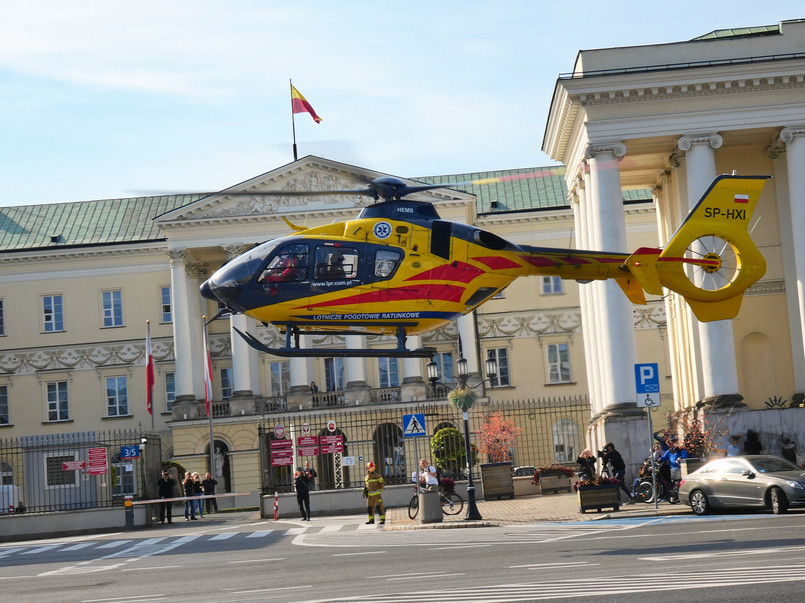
(647,386)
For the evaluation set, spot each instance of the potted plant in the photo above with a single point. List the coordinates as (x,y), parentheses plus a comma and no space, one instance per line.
(703,434)
(553,478)
(598,493)
(497,438)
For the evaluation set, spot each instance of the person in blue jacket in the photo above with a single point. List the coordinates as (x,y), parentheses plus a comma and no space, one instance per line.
(675,452)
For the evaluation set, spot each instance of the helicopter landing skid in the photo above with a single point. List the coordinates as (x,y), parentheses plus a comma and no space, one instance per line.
(290,351)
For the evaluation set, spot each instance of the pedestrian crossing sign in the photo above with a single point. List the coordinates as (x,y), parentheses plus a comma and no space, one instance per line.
(414,426)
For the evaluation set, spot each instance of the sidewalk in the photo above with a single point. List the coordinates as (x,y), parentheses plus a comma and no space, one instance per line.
(528,510)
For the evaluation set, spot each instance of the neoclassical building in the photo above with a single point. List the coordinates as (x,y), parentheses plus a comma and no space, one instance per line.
(642,133)
(671,117)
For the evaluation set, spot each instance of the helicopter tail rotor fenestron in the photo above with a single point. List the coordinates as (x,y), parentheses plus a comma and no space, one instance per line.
(711,260)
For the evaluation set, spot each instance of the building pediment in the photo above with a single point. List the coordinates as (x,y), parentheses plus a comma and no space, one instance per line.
(287,186)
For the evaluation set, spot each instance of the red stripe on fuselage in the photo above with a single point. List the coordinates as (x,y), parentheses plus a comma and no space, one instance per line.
(495,262)
(456,271)
(449,293)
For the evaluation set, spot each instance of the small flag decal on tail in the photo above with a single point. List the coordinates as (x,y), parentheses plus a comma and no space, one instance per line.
(741,198)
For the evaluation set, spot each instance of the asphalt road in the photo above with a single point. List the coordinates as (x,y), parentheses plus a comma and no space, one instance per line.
(713,558)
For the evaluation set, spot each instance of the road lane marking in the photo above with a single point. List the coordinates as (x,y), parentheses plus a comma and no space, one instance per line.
(359,553)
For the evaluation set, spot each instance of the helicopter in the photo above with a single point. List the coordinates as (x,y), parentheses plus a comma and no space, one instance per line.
(399,269)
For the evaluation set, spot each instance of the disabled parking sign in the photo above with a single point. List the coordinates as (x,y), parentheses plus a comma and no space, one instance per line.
(647,382)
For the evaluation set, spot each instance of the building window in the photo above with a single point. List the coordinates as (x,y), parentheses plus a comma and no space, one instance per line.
(58,405)
(55,475)
(165,298)
(170,391)
(226,383)
(501,355)
(4,405)
(52,313)
(552,285)
(334,374)
(2,320)
(280,373)
(117,397)
(558,363)
(389,372)
(6,474)
(444,363)
(113,308)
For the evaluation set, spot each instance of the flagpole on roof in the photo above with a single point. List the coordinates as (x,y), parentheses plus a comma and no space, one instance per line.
(149,373)
(293,123)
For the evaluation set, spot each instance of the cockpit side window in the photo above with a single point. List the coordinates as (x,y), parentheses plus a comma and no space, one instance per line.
(290,264)
(386,262)
(336,262)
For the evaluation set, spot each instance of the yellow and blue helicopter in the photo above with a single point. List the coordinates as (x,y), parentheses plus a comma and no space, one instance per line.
(399,269)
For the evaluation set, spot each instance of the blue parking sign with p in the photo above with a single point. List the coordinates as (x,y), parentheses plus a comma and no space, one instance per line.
(647,382)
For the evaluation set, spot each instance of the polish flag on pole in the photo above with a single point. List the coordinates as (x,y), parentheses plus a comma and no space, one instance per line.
(149,370)
(299,104)
(207,375)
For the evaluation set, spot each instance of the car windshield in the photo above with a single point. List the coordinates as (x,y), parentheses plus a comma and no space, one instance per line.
(772,465)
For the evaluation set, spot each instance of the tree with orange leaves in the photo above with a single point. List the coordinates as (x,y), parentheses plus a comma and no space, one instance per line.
(498,435)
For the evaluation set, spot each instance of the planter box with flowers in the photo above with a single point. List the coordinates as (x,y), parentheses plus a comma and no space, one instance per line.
(598,493)
(553,478)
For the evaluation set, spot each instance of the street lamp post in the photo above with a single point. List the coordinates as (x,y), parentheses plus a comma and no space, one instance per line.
(463,374)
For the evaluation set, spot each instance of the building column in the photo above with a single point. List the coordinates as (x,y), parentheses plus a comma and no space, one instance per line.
(300,375)
(356,390)
(187,335)
(794,139)
(413,387)
(617,349)
(468,333)
(719,369)
(245,366)
(587,296)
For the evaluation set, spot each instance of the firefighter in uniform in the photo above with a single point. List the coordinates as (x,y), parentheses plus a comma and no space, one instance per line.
(374,493)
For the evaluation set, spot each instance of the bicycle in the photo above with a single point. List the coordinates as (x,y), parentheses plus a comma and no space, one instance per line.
(452,503)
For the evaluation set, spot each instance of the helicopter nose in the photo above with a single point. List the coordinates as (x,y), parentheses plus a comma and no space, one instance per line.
(206,291)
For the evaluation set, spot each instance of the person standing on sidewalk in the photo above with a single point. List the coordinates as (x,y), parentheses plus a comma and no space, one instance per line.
(302,493)
(614,458)
(209,484)
(165,485)
(374,493)
(311,474)
(190,494)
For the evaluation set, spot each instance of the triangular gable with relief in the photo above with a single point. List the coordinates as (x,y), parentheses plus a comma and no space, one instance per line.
(307,174)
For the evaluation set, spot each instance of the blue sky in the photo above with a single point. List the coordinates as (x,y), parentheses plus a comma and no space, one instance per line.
(103,99)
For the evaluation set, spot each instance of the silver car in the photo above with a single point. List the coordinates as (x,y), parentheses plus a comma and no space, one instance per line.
(764,481)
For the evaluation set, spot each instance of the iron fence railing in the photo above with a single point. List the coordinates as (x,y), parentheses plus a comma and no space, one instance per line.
(83,470)
(547,431)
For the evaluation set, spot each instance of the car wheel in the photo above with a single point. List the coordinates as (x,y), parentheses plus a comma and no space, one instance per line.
(699,503)
(778,500)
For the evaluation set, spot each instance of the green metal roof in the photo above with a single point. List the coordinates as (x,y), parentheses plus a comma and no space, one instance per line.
(526,189)
(537,188)
(739,32)
(108,221)
(118,221)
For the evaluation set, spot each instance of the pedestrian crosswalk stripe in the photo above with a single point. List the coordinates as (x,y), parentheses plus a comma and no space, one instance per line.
(295,531)
(223,536)
(79,546)
(332,528)
(259,534)
(113,544)
(40,549)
